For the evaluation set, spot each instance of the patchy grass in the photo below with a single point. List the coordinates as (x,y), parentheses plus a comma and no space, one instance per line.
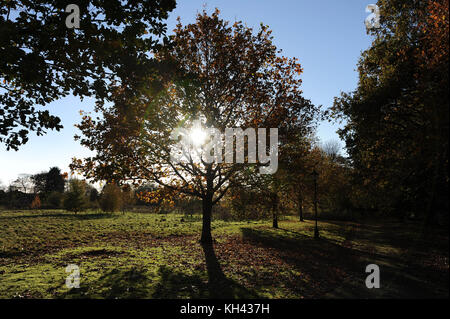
(135,255)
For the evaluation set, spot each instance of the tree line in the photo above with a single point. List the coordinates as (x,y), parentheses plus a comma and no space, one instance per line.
(55,190)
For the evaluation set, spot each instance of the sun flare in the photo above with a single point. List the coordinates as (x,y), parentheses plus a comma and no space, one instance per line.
(198,136)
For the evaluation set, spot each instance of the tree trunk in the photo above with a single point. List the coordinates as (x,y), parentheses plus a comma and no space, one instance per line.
(275,211)
(300,207)
(207,208)
(206,227)
(431,206)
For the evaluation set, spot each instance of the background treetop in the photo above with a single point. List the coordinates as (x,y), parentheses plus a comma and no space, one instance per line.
(43,60)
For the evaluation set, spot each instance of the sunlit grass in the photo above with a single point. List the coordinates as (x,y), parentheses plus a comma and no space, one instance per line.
(138,255)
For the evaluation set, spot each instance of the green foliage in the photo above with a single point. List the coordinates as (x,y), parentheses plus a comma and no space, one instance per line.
(111,198)
(55,199)
(93,195)
(128,197)
(47,182)
(396,129)
(75,199)
(54,181)
(247,204)
(39,182)
(15,199)
(43,60)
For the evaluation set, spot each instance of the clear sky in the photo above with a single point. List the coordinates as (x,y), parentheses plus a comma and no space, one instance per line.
(327,36)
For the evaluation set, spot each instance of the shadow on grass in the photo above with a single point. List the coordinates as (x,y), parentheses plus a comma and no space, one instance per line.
(293,232)
(301,250)
(116,284)
(341,270)
(137,283)
(173,284)
(11,254)
(219,285)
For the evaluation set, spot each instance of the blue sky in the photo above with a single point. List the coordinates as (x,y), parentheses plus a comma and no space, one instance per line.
(327,36)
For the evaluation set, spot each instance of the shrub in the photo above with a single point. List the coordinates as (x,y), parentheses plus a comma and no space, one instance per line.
(111,198)
(93,195)
(54,199)
(36,203)
(128,198)
(75,198)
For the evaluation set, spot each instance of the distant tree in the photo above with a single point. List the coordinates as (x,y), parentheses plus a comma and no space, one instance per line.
(75,198)
(42,60)
(334,183)
(298,162)
(128,196)
(247,202)
(111,198)
(39,182)
(47,182)
(54,199)
(3,197)
(332,149)
(272,192)
(36,203)
(93,195)
(54,181)
(397,120)
(270,187)
(24,183)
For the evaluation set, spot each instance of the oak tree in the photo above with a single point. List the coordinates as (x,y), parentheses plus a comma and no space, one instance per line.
(229,77)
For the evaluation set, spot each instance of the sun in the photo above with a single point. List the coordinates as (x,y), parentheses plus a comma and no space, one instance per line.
(197,135)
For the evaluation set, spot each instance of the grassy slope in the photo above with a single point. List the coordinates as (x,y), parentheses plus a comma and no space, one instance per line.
(136,255)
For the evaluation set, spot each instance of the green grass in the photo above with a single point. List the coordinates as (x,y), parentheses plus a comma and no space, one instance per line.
(136,255)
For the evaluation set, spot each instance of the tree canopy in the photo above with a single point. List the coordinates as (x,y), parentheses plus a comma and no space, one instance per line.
(42,60)
(397,119)
(229,77)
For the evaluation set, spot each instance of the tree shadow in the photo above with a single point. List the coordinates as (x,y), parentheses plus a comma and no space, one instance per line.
(219,286)
(167,283)
(129,283)
(293,232)
(175,284)
(321,259)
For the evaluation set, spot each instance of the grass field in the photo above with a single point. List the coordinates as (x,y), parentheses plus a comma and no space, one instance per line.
(136,255)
